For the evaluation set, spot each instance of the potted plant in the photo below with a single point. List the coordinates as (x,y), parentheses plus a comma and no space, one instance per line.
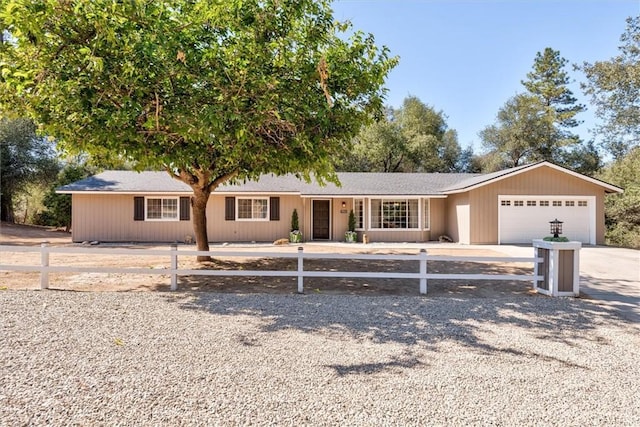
(350,236)
(295,236)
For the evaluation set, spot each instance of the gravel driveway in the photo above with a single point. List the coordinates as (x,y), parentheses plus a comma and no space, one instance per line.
(70,358)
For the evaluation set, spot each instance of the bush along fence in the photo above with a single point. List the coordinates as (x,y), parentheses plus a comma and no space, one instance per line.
(539,279)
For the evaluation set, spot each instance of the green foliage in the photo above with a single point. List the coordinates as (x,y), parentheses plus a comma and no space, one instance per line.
(295,222)
(25,159)
(549,82)
(58,206)
(514,139)
(209,91)
(351,226)
(238,87)
(413,138)
(555,239)
(614,87)
(583,158)
(622,211)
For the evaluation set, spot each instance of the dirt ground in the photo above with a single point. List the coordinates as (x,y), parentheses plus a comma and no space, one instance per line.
(20,235)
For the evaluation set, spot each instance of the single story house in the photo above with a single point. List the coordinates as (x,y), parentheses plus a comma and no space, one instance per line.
(509,206)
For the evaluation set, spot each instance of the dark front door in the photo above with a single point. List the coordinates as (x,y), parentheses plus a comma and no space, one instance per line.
(321,215)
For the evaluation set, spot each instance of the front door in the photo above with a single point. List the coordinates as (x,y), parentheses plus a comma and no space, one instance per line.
(321,219)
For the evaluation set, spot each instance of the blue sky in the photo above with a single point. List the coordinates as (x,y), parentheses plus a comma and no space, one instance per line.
(467,58)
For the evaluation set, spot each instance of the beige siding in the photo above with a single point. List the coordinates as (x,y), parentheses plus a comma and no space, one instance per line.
(220,230)
(438,220)
(458,217)
(396,236)
(109,218)
(340,217)
(540,181)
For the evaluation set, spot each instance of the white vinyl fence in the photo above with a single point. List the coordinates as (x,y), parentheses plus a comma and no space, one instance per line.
(173,271)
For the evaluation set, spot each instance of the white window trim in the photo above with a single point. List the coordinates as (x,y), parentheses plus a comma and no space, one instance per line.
(425,227)
(146,209)
(391,199)
(253,219)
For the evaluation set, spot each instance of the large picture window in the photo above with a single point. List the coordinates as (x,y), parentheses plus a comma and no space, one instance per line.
(395,214)
(254,209)
(162,209)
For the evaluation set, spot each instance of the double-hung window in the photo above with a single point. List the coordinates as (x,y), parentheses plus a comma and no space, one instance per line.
(161,209)
(253,209)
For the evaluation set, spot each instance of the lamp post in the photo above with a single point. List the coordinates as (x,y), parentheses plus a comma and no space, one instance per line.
(556,227)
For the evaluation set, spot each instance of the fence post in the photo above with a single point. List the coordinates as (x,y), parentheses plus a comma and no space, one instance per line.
(44,262)
(174,267)
(423,271)
(300,271)
(536,267)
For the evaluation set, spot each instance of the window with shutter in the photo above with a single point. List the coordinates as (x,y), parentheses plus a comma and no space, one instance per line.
(185,208)
(138,208)
(274,212)
(230,208)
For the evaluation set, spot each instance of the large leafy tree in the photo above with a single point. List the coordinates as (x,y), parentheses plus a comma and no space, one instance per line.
(614,87)
(208,90)
(622,211)
(515,137)
(412,138)
(25,159)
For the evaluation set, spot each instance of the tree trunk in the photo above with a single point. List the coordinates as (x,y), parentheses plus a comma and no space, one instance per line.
(199,208)
(202,186)
(6,207)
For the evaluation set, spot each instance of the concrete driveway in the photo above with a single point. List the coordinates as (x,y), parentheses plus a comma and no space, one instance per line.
(612,277)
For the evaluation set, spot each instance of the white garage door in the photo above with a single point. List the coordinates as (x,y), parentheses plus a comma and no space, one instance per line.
(523,218)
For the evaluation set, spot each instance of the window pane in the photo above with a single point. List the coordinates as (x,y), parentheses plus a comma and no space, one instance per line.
(244,208)
(154,208)
(259,208)
(394,214)
(413,214)
(358,210)
(376,218)
(169,208)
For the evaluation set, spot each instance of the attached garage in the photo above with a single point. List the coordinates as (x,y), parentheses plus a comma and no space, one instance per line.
(524,218)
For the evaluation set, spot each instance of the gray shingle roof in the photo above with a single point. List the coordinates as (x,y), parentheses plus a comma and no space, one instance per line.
(128,182)
(353,184)
(471,181)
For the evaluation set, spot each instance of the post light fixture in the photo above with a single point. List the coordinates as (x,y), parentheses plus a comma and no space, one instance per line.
(556,227)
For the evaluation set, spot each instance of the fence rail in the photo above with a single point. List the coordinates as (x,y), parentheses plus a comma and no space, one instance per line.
(173,271)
